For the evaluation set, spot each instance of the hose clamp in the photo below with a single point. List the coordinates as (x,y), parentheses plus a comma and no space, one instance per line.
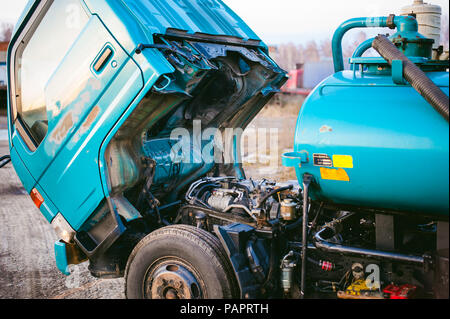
(390,22)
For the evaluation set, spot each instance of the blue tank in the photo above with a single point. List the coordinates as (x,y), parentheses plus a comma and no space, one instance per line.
(371,140)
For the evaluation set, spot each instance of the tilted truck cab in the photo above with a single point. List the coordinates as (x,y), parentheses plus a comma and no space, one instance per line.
(96,87)
(119,116)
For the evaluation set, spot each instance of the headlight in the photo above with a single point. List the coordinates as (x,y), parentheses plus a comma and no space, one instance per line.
(63,229)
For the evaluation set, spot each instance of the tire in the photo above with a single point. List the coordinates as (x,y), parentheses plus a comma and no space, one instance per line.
(180,262)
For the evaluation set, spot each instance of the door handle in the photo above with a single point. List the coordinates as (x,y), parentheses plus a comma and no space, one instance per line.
(103,59)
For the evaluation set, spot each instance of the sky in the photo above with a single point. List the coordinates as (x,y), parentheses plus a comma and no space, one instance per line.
(302,21)
(281,21)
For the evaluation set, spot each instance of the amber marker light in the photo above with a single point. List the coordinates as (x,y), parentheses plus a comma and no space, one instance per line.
(37,198)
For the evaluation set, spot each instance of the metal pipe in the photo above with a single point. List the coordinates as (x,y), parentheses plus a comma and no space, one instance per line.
(307,179)
(403,24)
(322,244)
(299,246)
(360,50)
(343,29)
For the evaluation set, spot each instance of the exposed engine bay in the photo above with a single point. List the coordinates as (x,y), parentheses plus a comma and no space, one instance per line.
(349,255)
(344,257)
(225,200)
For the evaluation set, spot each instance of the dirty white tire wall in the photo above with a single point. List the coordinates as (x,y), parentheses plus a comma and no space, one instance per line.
(194,246)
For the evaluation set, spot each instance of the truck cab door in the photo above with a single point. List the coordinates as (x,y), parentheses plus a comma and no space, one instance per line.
(68,74)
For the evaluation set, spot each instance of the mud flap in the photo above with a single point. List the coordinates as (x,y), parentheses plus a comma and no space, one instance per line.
(61,258)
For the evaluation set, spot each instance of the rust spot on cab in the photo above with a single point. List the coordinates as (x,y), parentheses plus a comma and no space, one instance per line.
(63,128)
(91,118)
(326,129)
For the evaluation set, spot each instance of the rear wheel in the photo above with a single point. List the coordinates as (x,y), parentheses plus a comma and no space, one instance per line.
(179,262)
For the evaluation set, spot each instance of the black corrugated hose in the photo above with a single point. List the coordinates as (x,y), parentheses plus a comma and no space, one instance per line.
(414,75)
(4,160)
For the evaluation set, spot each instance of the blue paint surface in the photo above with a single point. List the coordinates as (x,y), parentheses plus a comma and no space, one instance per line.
(61,258)
(399,143)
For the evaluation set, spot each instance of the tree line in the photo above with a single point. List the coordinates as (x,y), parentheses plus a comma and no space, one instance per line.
(6,30)
(289,55)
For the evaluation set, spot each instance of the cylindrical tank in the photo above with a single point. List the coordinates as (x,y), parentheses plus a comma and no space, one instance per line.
(429,18)
(372,143)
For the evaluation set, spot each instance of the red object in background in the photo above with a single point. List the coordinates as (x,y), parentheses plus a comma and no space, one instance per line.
(295,83)
(400,292)
(295,80)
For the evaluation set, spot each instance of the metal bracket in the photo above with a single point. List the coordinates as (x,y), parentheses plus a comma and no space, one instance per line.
(294,159)
(397,72)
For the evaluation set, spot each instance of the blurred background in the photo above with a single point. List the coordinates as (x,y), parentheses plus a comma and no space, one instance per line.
(298,34)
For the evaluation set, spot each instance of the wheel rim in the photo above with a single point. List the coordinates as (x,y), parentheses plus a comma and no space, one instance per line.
(173,279)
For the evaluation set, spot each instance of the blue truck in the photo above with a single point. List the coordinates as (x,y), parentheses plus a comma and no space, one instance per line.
(115,114)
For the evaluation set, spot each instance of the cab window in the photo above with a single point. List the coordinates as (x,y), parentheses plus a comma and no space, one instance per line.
(37,58)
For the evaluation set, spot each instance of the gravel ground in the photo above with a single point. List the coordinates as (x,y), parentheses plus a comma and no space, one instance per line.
(27,260)
(263,161)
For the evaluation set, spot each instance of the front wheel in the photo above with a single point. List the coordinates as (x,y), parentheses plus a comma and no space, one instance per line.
(179,262)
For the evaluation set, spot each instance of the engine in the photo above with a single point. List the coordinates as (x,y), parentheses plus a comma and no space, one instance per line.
(225,200)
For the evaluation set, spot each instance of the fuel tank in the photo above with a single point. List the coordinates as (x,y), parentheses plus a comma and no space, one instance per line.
(370,142)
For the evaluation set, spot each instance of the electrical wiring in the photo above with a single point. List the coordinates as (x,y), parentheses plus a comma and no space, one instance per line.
(4,160)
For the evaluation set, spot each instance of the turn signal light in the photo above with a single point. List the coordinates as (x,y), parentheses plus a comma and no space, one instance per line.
(37,198)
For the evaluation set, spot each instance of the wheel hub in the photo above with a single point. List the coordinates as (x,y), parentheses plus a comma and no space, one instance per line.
(173,281)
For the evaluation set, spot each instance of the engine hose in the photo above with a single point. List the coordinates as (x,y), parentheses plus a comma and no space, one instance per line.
(4,160)
(274,192)
(299,222)
(414,75)
(254,262)
(294,225)
(273,261)
(200,191)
